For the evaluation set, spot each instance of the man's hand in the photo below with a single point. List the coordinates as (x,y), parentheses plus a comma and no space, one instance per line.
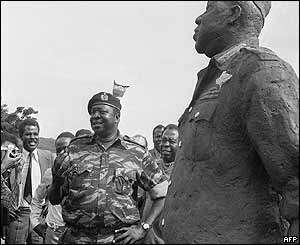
(40,229)
(61,164)
(4,238)
(130,234)
(294,228)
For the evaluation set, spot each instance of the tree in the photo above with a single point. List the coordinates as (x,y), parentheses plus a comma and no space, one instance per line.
(10,121)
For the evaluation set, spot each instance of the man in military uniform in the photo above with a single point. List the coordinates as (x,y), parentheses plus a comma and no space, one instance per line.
(93,181)
(236,175)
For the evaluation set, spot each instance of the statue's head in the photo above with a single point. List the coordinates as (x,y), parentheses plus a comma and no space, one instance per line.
(225,22)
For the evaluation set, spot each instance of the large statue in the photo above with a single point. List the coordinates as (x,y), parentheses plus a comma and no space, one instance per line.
(236,178)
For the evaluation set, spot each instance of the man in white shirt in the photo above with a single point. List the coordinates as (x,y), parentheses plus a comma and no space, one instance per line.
(55,225)
(36,163)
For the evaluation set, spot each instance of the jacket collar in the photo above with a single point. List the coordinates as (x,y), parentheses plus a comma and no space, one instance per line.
(223,59)
(35,154)
(119,141)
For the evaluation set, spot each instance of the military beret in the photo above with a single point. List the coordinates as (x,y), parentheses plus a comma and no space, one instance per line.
(104,98)
(263,7)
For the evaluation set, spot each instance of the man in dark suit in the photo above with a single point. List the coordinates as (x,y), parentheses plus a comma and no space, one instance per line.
(36,161)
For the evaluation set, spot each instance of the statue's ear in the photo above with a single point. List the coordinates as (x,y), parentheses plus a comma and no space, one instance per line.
(236,12)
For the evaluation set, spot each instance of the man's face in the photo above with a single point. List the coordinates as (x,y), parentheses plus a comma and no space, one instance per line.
(211,26)
(61,144)
(103,119)
(30,137)
(157,138)
(169,145)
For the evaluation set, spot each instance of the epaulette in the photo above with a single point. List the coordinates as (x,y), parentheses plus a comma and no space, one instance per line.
(261,53)
(131,140)
(82,137)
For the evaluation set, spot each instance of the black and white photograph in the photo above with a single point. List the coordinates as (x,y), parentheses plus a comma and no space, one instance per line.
(149,122)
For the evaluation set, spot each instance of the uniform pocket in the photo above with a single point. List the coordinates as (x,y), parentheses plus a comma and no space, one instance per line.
(123,181)
(199,136)
(83,170)
(82,177)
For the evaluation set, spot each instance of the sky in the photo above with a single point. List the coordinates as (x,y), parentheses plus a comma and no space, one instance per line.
(56,55)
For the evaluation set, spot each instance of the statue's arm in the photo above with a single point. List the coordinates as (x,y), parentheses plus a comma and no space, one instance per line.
(272,122)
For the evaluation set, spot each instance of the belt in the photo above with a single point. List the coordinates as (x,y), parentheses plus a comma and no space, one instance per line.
(100,230)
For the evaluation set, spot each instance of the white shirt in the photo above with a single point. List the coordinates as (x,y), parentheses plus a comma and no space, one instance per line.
(54,215)
(35,175)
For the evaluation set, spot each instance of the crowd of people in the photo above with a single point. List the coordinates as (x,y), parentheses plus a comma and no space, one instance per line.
(39,215)
(228,173)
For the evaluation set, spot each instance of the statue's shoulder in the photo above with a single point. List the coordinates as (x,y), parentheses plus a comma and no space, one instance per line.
(255,60)
(261,53)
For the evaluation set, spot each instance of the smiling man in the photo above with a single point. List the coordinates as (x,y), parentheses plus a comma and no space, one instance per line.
(168,149)
(36,163)
(236,175)
(93,180)
(169,145)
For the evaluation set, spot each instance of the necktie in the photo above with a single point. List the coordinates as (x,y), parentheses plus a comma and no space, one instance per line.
(28,184)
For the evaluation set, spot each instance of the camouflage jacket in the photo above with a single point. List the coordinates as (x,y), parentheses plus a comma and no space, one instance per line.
(98,185)
(155,153)
(166,168)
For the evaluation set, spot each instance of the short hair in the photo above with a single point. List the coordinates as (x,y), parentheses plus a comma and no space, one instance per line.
(27,122)
(5,136)
(83,131)
(157,127)
(65,134)
(171,127)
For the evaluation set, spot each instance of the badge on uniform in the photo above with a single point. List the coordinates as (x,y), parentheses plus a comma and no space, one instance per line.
(223,78)
(104,96)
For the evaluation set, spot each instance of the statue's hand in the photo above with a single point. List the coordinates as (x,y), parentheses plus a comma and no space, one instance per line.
(294,228)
